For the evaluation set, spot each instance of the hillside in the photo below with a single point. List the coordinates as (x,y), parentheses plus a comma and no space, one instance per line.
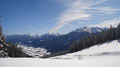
(106,50)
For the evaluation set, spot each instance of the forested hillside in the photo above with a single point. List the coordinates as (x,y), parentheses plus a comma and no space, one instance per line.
(105,36)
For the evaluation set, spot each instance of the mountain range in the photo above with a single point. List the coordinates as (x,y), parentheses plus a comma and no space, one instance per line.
(53,42)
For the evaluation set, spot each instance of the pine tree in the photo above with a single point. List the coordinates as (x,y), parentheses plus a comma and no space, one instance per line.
(3,44)
(117,35)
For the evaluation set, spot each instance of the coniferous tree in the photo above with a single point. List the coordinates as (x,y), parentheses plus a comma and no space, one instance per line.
(118,32)
(3,44)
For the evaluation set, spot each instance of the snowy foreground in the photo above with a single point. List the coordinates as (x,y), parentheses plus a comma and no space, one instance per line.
(27,62)
(105,55)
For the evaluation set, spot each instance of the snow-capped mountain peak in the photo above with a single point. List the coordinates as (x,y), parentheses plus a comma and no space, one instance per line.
(90,29)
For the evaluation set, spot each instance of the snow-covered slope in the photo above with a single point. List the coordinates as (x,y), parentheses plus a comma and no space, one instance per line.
(104,55)
(109,49)
(34,52)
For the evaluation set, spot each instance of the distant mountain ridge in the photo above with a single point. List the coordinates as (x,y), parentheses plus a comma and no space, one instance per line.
(54,42)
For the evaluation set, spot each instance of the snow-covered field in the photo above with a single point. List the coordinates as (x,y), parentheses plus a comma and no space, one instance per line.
(105,55)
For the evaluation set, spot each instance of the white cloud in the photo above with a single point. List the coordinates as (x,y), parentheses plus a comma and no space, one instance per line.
(104,10)
(80,10)
(29,26)
(114,22)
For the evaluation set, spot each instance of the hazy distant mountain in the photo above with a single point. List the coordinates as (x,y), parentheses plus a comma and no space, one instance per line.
(53,42)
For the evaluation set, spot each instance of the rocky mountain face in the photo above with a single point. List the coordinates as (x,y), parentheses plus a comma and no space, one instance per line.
(53,42)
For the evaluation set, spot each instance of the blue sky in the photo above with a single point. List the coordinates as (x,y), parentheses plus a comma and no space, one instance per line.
(56,16)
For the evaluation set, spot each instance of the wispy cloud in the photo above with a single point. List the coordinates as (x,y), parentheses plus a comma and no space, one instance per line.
(114,22)
(104,10)
(81,10)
